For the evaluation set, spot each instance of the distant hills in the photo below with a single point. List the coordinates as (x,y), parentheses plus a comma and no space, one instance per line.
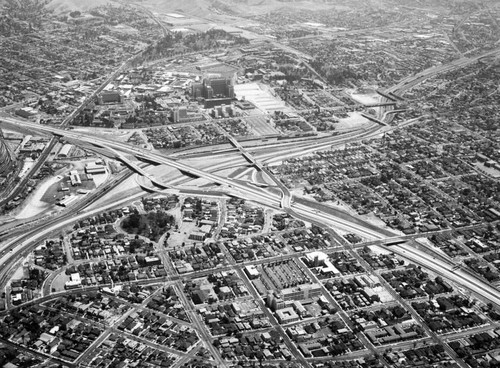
(205,8)
(63,6)
(193,7)
(187,6)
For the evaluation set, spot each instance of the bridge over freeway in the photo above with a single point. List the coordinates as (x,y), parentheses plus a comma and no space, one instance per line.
(133,166)
(379,104)
(374,119)
(391,96)
(244,152)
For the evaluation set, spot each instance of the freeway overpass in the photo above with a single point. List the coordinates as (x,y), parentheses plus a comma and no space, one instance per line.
(244,152)
(387,96)
(379,104)
(374,119)
(134,167)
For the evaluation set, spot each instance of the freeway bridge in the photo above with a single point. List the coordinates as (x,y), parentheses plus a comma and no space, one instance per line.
(374,119)
(379,104)
(387,96)
(244,152)
(135,167)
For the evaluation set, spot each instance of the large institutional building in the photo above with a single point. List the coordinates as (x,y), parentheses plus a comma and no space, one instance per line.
(214,91)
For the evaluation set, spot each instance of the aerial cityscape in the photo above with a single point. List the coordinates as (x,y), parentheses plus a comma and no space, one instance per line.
(249,183)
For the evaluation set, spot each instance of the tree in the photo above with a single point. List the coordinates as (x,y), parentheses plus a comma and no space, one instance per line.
(32,326)
(132,222)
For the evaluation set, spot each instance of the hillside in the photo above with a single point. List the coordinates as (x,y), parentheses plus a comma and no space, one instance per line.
(215,8)
(63,6)
(201,8)
(194,7)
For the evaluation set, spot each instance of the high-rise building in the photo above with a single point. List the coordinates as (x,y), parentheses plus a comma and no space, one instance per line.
(197,90)
(180,114)
(6,159)
(175,115)
(215,91)
(275,302)
(220,87)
